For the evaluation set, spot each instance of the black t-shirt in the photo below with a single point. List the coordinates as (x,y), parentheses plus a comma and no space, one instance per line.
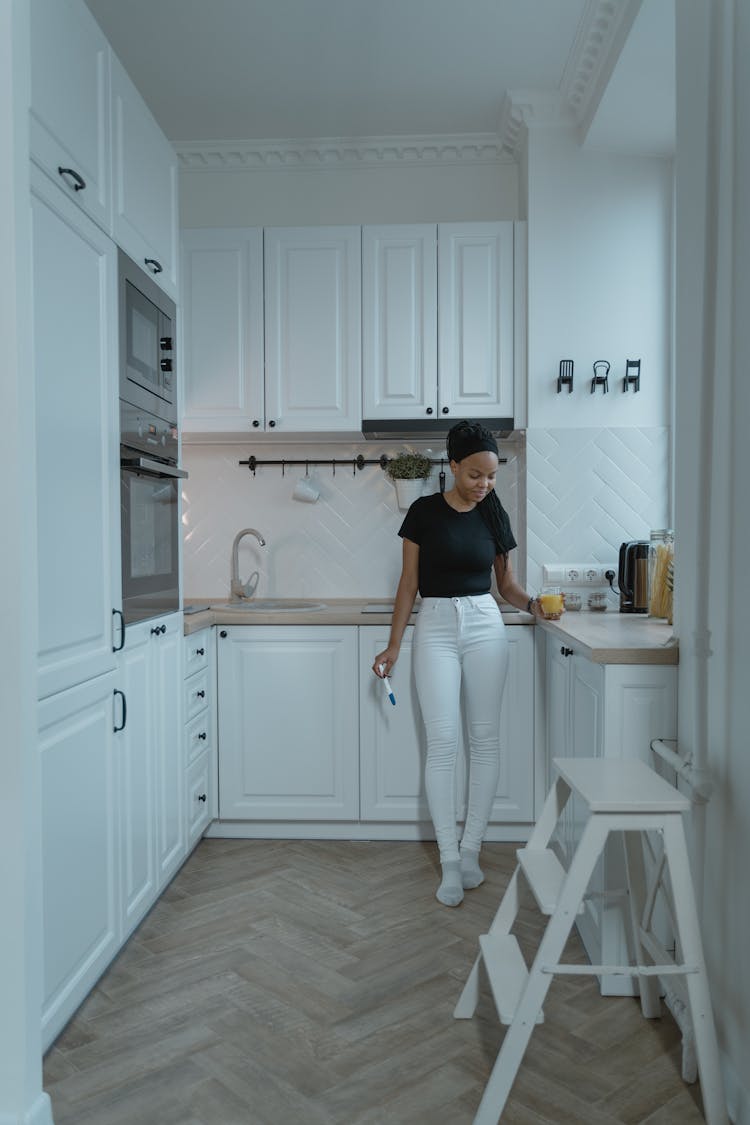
(456,549)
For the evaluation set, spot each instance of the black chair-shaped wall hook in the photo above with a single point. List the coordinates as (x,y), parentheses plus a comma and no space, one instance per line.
(565,375)
(601,376)
(632,375)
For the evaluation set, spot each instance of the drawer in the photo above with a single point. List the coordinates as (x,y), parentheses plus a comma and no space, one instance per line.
(199,735)
(196,694)
(199,797)
(196,651)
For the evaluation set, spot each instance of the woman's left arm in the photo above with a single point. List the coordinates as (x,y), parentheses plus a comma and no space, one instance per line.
(510,590)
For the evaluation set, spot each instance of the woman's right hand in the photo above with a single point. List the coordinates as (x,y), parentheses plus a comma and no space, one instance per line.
(384,661)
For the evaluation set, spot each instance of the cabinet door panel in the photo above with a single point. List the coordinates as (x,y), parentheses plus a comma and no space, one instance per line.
(313,336)
(288,723)
(399,323)
(223,329)
(515,789)
(145,216)
(69,125)
(79,877)
(75,363)
(475,319)
(168,732)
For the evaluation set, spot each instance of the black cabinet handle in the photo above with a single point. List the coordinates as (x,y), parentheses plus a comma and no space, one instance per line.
(153,265)
(78,181)
(115,728)
(202,736)
(201,694)
(445,410)
(118,648)
(156,630)
(256,423)
(272,423)
(223,633)
(201,797)
(428,410)
(200,652)
(566,651)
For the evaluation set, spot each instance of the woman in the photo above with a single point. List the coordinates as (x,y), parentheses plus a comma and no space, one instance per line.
(451,543)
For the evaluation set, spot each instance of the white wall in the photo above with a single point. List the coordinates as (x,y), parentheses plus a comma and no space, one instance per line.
(317,196)
(711,502)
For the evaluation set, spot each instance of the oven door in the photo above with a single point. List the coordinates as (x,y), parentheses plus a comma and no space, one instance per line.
(149,493)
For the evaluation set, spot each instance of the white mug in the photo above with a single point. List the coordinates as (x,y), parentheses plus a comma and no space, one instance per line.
(306,490)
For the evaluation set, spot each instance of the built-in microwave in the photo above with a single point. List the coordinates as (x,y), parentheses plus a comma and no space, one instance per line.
(148,378)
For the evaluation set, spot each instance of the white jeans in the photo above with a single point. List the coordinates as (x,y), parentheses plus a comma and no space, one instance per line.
(460,643)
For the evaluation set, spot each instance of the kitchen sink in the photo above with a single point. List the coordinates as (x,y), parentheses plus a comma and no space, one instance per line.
(270,605)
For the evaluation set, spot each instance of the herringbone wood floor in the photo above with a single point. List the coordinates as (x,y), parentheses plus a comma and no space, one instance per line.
(313,983)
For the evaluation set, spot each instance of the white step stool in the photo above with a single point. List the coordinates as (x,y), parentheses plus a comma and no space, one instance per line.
(622,796)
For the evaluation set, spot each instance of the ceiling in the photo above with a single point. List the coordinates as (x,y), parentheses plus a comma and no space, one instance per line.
(214,70)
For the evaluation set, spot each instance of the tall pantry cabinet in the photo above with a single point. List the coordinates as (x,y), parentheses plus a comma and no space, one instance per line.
(108,801)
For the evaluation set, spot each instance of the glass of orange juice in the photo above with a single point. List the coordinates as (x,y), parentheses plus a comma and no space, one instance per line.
(551,601)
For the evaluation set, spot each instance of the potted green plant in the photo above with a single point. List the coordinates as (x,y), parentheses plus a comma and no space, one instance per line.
(408,471)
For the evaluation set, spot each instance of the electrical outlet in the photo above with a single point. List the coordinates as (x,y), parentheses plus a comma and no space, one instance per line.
(577,574)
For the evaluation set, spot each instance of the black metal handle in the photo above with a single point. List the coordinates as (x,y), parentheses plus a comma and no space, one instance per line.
(156,630)
(201,797)
(272,423)
(153,265)
(445,410)
(201,694)
(118,648)
(202,736)
(566,651)
(428,410)
(256,423)
(115,728)
(223,633)
(200,652)
(78,181)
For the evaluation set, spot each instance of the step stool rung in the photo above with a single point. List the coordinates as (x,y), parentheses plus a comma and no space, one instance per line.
(545,875)
(507,973)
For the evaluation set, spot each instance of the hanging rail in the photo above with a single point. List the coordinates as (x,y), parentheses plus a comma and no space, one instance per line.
(354,463)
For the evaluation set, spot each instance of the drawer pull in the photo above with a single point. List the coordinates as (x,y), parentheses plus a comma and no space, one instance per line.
(200,652)
(203,736)
(78,181)
(201,694)
(201,797)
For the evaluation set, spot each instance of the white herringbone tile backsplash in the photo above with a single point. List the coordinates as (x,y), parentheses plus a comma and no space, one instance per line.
(345,545)
(588,490)
(572,495)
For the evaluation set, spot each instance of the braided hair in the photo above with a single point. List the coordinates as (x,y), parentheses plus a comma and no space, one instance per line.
(464,439)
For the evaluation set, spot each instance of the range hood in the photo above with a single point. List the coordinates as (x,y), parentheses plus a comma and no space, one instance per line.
(426,429)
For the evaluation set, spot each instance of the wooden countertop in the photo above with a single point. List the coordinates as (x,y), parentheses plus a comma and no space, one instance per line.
(331,611)
(615,638)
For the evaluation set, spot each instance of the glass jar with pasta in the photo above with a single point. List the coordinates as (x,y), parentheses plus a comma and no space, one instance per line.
(661,573)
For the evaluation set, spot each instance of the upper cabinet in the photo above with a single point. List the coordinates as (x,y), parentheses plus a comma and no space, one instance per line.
(439,308)
(222,326)
(145,217)
(70,138)
(312,328)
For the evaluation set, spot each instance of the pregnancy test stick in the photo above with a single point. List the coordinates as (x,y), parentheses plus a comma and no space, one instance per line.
(387,683)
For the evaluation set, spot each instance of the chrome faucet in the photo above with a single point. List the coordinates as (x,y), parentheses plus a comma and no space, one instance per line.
(237,589)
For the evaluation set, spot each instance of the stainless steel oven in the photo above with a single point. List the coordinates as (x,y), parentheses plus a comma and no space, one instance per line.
(149,492)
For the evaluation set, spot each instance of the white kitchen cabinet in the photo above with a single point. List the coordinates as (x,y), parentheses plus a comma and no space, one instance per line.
(288,723)
(392,743)
(200,733)
(399,321)
(312,329)
(145,176)
(167,729)
(79,843)
(476,319)
(77,441)
(613,711)
(222,348)
(69,124)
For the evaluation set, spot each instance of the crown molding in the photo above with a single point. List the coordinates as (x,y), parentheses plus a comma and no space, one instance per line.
(601,35)
(338,153)
(528,109)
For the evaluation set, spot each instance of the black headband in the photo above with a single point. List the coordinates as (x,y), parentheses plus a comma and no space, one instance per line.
(466,438)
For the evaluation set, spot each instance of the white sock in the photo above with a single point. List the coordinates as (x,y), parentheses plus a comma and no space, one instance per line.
(471,873)
(450,892)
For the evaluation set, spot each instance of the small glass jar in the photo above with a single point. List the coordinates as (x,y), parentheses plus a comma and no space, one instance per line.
(661,573)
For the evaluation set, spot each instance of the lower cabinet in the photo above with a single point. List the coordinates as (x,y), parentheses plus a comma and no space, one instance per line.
(611,711)
(288,722)
(80,878)
(306,732)
(200,733)
(392,743)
